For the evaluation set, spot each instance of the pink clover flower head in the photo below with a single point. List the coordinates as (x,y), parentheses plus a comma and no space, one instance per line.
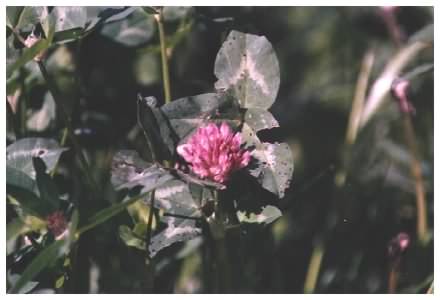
(214,152)
(56,223)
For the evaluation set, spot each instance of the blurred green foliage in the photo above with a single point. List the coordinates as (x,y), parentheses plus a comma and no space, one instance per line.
(320,50)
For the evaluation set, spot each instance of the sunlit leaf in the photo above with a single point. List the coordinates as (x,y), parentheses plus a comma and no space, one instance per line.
(134,30)
(247,65)
(187,114)
(177,230)
(267,215)
(130,239)
(274,162)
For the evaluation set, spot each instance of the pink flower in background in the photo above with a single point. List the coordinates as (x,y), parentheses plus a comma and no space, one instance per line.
(56,223)
(214,152)
(398,244)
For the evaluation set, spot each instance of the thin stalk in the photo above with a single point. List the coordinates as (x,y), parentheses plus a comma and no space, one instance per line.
(314,268)
(359,97)
(164,58)
(416,170)
(218,231)
(22,104)
(62,143)
(392,280)
(68,121)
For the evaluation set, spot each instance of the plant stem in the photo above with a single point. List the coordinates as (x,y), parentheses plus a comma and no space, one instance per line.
(416,170)
(68,121)
(359,97)
(62,143)
(392,280)
(218,232)
(22,103)
(314,268)
(163,54)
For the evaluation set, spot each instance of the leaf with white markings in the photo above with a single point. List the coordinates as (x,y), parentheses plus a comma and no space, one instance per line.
(129,171)
(267,215)
(180,210)
(187,114)
(247,65)
(275,162)
(19,154)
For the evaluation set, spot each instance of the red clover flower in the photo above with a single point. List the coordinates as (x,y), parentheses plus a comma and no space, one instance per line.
(214,152)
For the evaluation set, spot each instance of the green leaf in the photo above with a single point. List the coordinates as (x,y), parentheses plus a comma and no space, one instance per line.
(155,126)
(29,202)
(19,154)
(13,278)
(17,178)
(132,31)
(16,60)
(175,13)
(259,119)
(275,162)
(130,239)
(129,171)
(267,215)
(109,212)
(178,230)
(14,229)
(66,36)
(25,18)
(247,65)
(13,15)
(45,258)
(180,208)
(186,114)
(47,188)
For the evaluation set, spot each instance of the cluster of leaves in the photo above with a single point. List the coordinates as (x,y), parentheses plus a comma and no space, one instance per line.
(248,80)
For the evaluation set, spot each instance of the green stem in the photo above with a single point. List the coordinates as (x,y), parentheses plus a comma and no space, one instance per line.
(22,103)
(163,54)
(62,143)
(218,232)
(67,119)
(314,268)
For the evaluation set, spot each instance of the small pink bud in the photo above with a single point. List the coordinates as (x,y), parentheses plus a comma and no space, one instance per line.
(398,244)
(400,89)
(214,152)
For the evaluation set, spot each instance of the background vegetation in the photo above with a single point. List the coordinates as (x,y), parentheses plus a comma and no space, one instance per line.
(348,198)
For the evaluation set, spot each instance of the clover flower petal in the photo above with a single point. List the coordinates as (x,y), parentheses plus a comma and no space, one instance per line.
(214,152)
